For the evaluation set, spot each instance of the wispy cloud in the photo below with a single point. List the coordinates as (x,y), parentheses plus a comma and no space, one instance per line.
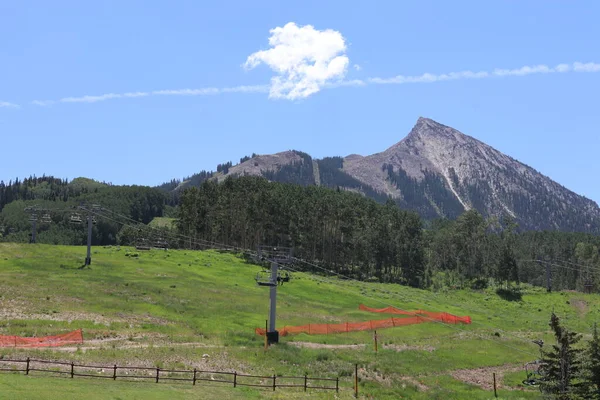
(42,103)
(166,92)
(522,71)
(300,90)
(6,104)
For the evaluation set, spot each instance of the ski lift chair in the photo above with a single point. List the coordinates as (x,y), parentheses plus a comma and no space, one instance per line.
(264,279)
(75,219)
(533,374)
(532,369)
(283,277)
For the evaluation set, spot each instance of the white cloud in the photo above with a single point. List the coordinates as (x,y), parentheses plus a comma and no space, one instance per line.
(357,67)
(167,92)
(43,103)
(6,104)
(91,99)
(186,92)
(304,58)
(588,67)
(522,71)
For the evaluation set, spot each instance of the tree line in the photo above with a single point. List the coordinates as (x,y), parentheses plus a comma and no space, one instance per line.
(60,200)
(337,230)
(352,235)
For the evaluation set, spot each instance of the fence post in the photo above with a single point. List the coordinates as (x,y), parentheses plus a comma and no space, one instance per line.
(157,373)
(375,339)
(115,372)
(234,378)
(274,377)
(337,384)
(27,367)
(305,382)
(72,368)
(356,380)
(194,380)
(495,392)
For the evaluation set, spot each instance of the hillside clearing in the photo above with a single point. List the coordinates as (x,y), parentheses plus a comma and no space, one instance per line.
(187,309)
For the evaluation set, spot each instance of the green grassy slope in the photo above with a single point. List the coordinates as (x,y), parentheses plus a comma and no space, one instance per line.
(163,222)
(189,309)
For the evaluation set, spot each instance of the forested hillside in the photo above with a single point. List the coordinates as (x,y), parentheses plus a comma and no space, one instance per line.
(59,199)
(349,234)
(337,230)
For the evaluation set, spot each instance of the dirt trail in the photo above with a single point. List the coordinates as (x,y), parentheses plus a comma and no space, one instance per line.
(97,344)
(483,377)
(311,345)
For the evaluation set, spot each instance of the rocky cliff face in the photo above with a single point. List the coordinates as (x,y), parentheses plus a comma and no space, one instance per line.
(439,172)
(453,172)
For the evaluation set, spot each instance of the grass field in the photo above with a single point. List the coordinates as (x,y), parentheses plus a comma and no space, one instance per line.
(186,309)
(162,222)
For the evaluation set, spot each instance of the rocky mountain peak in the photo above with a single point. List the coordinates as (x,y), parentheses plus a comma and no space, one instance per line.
(427,130)
(439,172)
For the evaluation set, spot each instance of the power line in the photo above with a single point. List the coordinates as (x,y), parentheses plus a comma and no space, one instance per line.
(213,243)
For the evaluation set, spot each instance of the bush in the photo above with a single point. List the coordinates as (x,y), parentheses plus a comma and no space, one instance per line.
(479,284)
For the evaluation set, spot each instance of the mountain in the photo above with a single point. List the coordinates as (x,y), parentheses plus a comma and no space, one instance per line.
(439,172)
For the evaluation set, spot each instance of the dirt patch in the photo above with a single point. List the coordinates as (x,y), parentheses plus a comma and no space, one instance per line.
(406,347)
(413,381)
(91,345)
(580,305)
(13,309)
(311,345)
(483,377)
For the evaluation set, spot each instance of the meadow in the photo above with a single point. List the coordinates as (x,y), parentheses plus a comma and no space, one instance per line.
(188,309)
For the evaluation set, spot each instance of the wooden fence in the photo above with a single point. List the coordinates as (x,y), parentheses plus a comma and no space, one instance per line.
(158,374)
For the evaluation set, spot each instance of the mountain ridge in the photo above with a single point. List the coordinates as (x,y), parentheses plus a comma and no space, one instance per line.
(437,171)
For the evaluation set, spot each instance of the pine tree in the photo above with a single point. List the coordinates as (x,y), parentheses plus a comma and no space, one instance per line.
(592,366)
(561,365)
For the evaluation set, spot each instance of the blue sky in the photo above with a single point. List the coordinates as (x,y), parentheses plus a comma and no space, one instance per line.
(53,54)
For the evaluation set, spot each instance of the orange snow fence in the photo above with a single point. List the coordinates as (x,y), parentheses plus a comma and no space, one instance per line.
(75,337)
(443,317)
(414,317)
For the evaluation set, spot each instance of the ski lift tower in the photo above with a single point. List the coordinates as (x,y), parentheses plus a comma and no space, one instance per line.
(277,256)
(91,220)
(34,211)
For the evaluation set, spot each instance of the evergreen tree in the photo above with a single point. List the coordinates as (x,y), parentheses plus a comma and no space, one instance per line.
(561,365)
(591,372)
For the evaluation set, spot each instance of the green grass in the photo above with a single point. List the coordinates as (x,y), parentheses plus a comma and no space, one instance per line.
(161,299)
(49,388)
(162,222)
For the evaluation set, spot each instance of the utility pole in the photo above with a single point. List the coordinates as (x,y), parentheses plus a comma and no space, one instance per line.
(276,255)
(33,218)
(33,227)
(548,275)
(88,259)
(273,303)
(91,220)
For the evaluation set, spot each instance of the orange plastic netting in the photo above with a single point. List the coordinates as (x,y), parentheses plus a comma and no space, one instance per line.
(443,316)
(75,337)
(415,317)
